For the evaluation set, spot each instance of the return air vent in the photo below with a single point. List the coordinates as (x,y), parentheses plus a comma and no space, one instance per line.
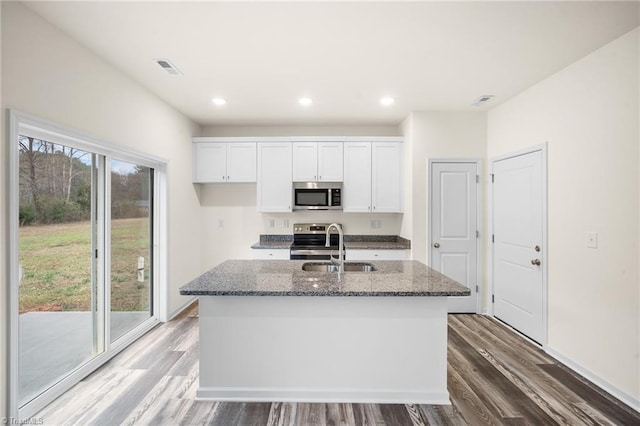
(482,100)
(168,66)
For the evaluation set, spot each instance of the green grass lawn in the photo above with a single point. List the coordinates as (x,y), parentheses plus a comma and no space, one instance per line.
(56,262)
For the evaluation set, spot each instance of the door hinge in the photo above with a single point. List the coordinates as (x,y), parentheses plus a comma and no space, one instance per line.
(477,234)
(493,238)
(96,253)
(492,177)
(493,298)
(476,289)
(477,178)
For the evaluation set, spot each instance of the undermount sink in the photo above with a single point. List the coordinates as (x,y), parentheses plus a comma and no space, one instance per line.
(330,267)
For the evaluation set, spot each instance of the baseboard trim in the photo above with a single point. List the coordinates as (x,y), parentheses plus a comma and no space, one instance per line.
(321,396)
(183,307)
(617,393)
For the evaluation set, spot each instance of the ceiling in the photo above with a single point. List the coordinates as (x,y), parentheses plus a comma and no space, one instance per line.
(262,56)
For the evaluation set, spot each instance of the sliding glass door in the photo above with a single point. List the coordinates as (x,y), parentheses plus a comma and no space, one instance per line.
(131,246)
(82,258)
(58,297)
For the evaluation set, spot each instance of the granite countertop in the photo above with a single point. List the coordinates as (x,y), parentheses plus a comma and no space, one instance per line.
(354,242)
(286,278)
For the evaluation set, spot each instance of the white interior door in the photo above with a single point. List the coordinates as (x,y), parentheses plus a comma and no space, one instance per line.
(518,243)
(454,226)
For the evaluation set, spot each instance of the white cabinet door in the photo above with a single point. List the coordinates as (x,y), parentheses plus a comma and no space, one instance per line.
(361,254)
(274,177)
(241,162)
(305,161)
(210,162)
(357,177)
(330,161)
(267,254)
(386,184)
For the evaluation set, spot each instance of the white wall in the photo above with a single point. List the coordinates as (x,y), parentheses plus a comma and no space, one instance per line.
(437,135)
(47,74)
(588,114)
(406,127)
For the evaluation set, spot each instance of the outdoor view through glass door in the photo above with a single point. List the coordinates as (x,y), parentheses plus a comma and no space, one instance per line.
(85,254)
(57,239)
(131,246)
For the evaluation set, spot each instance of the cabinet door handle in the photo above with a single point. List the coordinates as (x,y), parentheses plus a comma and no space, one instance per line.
(227,177)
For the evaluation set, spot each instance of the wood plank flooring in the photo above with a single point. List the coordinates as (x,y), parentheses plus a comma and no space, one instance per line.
(494,377)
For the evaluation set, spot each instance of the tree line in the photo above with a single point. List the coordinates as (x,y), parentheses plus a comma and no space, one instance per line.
(56,185)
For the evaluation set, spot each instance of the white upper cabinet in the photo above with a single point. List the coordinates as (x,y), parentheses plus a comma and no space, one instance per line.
(241,162)
(356,188)
(318,161)
(373,177)
(386,182)
(330,161)
(210,162)
(274,177)
(305,161)
(224,162)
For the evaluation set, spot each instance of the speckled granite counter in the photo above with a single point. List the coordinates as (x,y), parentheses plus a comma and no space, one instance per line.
(274,242)
(286,278)
(354,242)
(376,242)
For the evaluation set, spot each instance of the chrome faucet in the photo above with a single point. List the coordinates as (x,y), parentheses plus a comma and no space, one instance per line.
(327,243)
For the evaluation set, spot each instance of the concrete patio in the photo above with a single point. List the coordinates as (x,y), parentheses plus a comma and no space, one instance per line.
(52,344)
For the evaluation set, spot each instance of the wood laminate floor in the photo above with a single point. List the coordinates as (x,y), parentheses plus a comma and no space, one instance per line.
(494,377)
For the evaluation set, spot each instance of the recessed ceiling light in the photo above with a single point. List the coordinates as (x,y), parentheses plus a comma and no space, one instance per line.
(218,101)
(386,101)
(305,101)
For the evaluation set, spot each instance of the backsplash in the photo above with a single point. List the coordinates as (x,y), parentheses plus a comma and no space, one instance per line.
(352,223)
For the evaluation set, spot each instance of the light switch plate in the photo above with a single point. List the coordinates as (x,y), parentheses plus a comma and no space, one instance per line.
(592,240)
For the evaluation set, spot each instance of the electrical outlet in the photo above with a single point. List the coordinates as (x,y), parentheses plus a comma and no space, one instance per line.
(373,224)
(379,223)
(220,223)
(592,240)
(285,223)
(272,223)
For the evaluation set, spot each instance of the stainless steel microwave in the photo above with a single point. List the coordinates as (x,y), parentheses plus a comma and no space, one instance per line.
(317,196)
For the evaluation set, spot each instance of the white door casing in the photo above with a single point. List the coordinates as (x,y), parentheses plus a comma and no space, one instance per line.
(454,227)
(518,227)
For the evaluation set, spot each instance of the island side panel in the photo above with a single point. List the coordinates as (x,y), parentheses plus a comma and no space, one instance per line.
(323,349)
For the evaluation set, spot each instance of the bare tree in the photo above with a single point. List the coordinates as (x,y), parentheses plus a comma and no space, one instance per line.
(29,150)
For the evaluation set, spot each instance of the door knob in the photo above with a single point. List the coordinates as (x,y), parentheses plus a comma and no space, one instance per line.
(535,262)
(436,245)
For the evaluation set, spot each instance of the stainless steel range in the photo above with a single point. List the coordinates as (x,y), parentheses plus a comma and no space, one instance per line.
(309,242)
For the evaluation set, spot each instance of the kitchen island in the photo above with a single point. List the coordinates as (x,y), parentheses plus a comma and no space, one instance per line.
(270,331)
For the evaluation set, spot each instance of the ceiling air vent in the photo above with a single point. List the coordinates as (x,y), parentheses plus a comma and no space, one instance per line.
(168,66)
(482,100)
